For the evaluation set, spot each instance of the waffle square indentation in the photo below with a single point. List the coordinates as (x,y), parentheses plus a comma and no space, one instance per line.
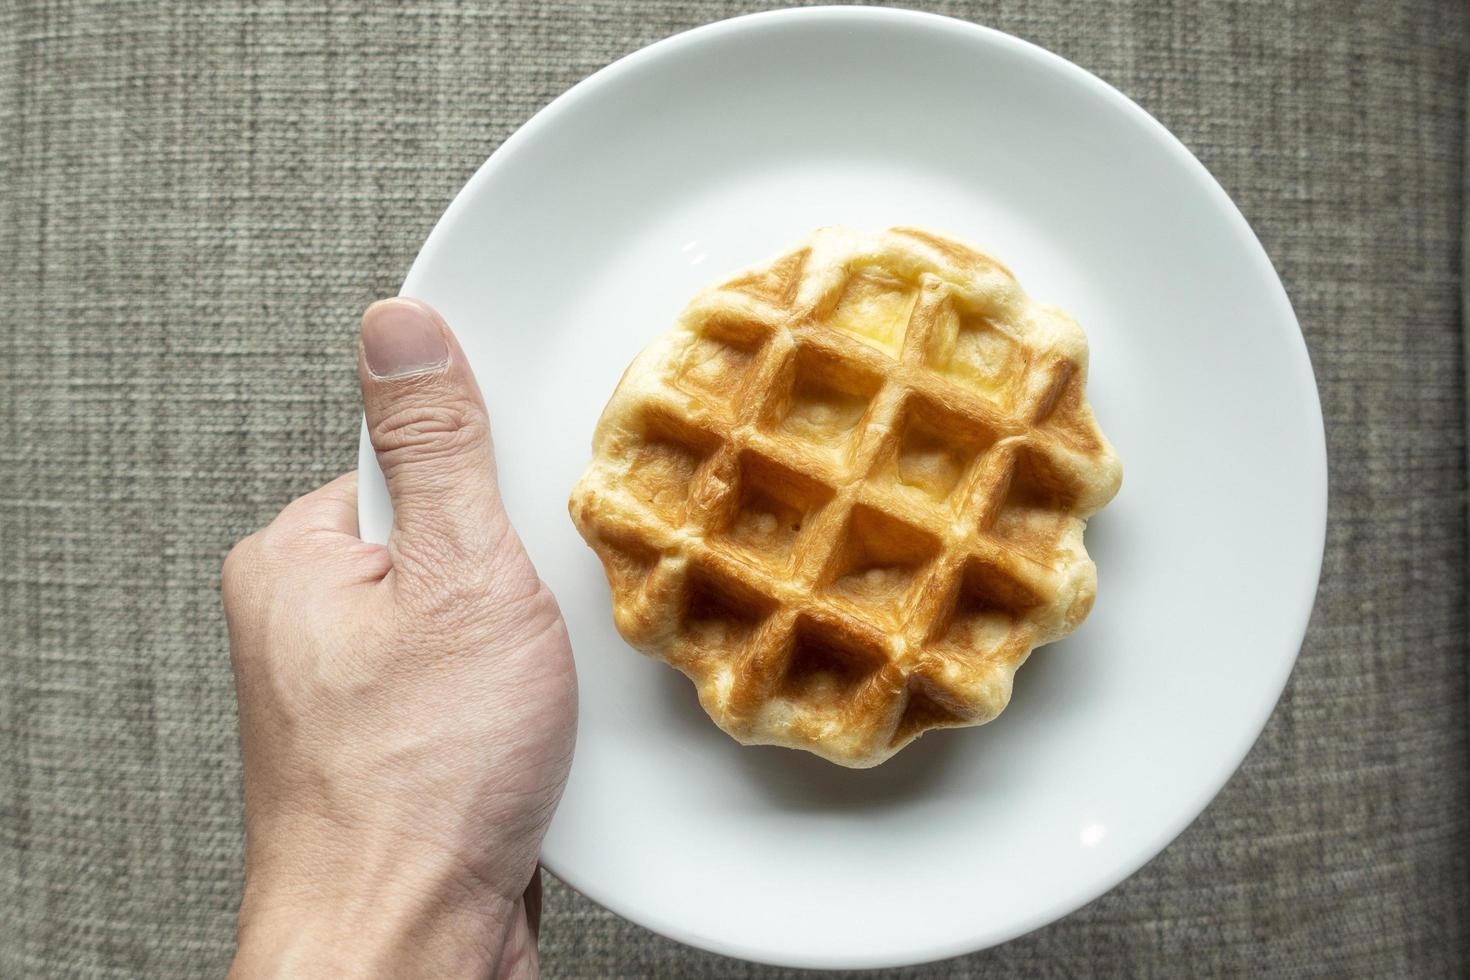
(878,565)
(772,505)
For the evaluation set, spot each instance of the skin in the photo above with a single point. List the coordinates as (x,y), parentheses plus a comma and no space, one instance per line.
(407,712)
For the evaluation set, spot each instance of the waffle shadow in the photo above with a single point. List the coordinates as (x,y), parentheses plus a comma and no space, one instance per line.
(800,781)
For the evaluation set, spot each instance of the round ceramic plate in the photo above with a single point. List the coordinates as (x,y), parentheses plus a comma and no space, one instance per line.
(583,236)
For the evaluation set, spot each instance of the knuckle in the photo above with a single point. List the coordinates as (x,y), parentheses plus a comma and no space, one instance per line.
(239,566)
(273,542)
(255,566)
(421,430)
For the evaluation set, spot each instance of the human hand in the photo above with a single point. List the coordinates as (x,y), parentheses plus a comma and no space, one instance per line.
(407,712)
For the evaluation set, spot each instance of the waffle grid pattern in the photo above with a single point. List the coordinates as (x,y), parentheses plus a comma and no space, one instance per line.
(835,525)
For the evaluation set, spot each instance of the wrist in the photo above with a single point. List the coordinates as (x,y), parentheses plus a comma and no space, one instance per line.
(402,915)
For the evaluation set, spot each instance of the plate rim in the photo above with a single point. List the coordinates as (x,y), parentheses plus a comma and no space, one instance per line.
(1312,476)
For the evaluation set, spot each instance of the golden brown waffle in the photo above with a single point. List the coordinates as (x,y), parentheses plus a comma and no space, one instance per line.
(846,494)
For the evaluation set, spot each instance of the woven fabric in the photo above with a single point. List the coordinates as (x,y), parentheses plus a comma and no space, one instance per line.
(197,199)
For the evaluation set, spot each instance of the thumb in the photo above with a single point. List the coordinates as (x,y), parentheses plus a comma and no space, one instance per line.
(428,425)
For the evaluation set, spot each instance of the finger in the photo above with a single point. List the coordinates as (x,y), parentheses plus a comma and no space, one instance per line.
(315,536)
(331,507)
(428,425)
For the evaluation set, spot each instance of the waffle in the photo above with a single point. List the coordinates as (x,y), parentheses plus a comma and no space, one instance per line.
(846,494)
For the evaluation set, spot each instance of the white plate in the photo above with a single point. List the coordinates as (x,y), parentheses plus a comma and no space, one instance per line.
(582,237)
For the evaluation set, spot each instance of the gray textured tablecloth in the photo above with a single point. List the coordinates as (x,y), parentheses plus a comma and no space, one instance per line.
(197,199)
